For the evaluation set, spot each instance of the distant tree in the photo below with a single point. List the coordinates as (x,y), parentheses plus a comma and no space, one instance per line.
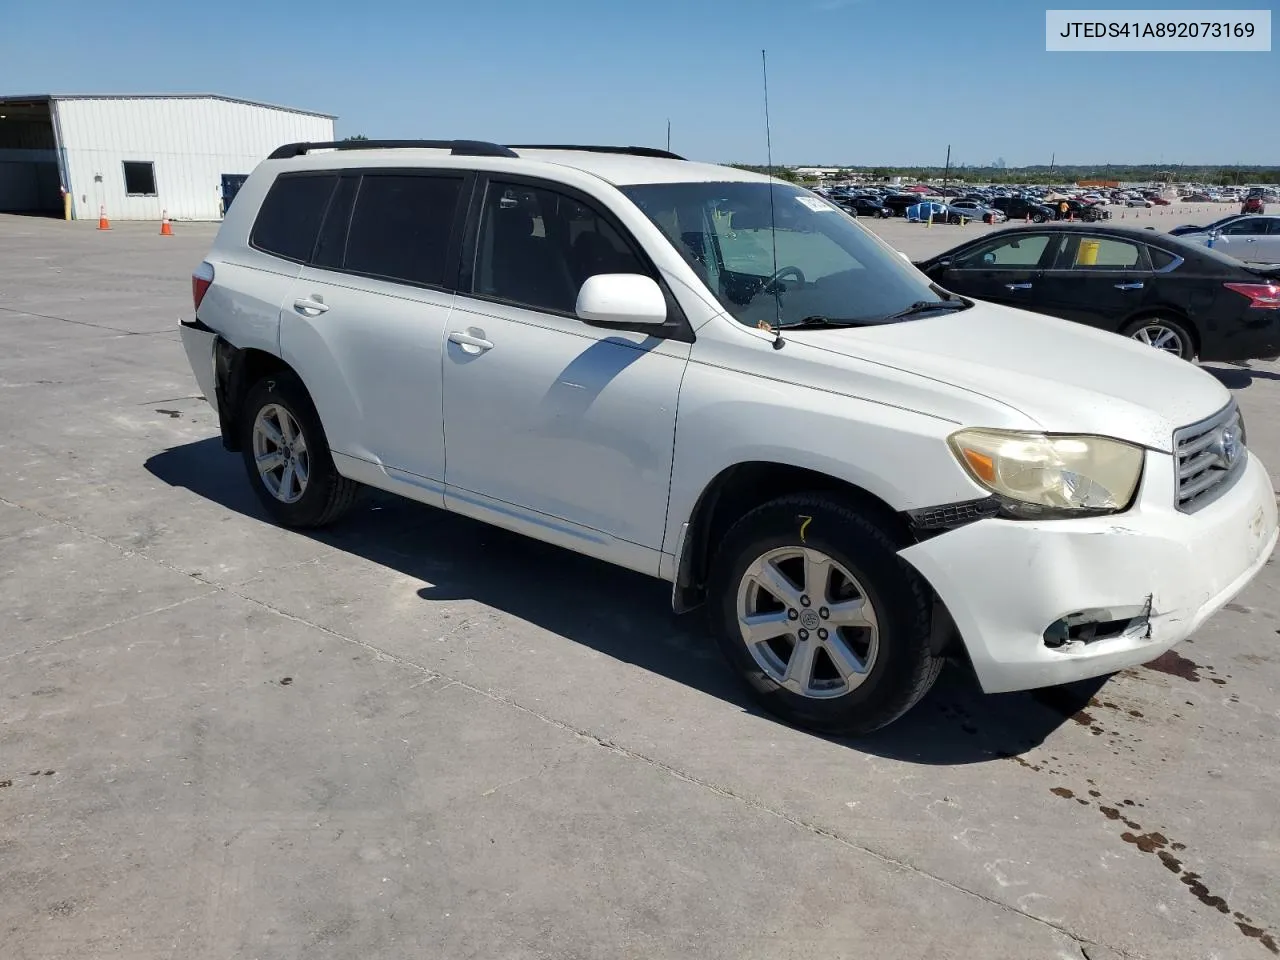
(782,173)
(357,136)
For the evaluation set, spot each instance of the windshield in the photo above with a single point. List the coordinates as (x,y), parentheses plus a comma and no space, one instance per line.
(826,265)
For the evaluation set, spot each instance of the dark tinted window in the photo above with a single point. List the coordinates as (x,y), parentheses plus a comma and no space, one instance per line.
(537,247)
(290,216)
(139,178)
(1106,253)
(1017,252)
(333,234)
(401,225)
(1159,258)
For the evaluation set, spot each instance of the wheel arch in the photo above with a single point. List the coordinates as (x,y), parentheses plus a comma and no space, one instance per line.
(740,488)
(236,370)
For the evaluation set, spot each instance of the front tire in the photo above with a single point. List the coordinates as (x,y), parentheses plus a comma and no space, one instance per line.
(1037,218)
(827,626)
(1163,333)
(287,455)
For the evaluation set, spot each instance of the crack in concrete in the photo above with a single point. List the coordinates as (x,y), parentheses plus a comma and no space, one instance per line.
(726,793)
(79,634)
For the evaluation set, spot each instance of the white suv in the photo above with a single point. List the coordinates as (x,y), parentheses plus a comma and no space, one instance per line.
(723,381)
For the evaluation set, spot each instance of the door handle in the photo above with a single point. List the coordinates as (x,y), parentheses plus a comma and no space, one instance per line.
(1129,286)
(469,343)
(312,308)
(1017,286)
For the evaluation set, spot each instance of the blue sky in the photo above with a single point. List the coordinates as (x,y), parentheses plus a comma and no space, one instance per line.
(851,81)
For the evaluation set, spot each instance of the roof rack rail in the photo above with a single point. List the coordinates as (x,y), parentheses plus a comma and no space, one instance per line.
(630,151)
(459,148)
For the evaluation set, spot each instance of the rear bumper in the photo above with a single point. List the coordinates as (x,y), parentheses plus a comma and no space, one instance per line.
(198,341)
(1252,335)
(1006,582)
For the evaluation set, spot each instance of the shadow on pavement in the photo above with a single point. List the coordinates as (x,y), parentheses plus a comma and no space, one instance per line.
(1237,377)
(622,614)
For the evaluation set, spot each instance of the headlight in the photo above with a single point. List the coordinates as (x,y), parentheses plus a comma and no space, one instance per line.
(1041,476)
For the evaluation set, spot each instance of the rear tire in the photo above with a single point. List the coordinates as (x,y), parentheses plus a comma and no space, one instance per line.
(279,426)
(1163,333)
(1037,218)
(831,667)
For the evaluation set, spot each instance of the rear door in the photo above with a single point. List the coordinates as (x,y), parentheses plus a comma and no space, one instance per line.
(1005,269)
(365,324)
(1097,280)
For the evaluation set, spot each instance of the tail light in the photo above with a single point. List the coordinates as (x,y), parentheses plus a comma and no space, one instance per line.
(201,280)
(1262,296)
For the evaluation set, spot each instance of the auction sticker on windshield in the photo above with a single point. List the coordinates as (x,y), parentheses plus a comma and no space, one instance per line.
(816,205)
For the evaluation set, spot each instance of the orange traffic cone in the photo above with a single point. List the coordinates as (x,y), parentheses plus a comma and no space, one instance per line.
(165,229)
(103,222)
(1028,218)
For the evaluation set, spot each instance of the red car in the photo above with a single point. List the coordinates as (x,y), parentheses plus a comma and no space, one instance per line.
(1253,205)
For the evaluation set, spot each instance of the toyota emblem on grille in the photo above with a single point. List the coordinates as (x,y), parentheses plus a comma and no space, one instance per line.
(1228,447)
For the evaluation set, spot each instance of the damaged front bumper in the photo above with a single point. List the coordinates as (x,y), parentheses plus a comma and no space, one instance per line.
(1039,603)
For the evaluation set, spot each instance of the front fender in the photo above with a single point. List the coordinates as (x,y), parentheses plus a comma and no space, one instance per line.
(728,418)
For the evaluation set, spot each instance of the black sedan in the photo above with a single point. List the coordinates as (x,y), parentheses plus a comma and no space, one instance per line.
(1019,208)
(1176,296)
(865,207)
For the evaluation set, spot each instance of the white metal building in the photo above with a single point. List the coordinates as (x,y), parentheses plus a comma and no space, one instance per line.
(139,156)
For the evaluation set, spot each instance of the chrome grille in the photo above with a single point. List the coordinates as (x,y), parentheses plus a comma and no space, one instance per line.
(1209,454)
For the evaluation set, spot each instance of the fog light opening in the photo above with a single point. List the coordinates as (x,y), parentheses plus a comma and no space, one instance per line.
(1089,626)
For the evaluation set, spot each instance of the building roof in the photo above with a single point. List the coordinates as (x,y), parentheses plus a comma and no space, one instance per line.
(7,98)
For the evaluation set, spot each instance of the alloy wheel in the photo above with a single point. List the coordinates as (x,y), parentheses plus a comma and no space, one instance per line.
(1156,334)
(807,622)
(280,453)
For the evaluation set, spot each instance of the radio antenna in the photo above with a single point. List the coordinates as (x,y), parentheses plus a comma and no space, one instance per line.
(778,342)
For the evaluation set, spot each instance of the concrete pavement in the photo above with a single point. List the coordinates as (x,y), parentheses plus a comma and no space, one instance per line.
(415,736)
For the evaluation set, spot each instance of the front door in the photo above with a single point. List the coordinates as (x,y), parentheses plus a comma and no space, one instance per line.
(557,428)
(1005,270)
(1099,281)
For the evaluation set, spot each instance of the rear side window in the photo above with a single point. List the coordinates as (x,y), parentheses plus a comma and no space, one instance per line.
(289,219)
(1107,253)
(1159,258)
(332,245)
(401,225)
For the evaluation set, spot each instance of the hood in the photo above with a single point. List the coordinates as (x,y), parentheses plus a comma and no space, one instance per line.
(1065,377)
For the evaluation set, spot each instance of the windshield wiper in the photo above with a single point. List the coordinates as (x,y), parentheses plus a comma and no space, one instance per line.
(818,320)
(928,306)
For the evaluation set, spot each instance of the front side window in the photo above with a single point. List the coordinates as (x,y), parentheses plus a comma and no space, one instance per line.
(1019,252)
(290,216)
(537,247)
(782,259)
(1248,227)
(400,227)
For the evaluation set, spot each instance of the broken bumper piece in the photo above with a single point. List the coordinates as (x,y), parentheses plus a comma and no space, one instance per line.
(1039,603)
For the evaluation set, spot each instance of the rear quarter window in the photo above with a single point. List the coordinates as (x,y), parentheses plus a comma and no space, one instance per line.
(289,219)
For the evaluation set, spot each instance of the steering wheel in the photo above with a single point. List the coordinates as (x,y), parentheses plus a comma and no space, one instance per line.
(784,272)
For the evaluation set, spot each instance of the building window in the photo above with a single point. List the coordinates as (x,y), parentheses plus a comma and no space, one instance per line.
(139,178)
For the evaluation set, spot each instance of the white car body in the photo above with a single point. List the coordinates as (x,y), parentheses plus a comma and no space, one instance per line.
(604,441)
(1251,238)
